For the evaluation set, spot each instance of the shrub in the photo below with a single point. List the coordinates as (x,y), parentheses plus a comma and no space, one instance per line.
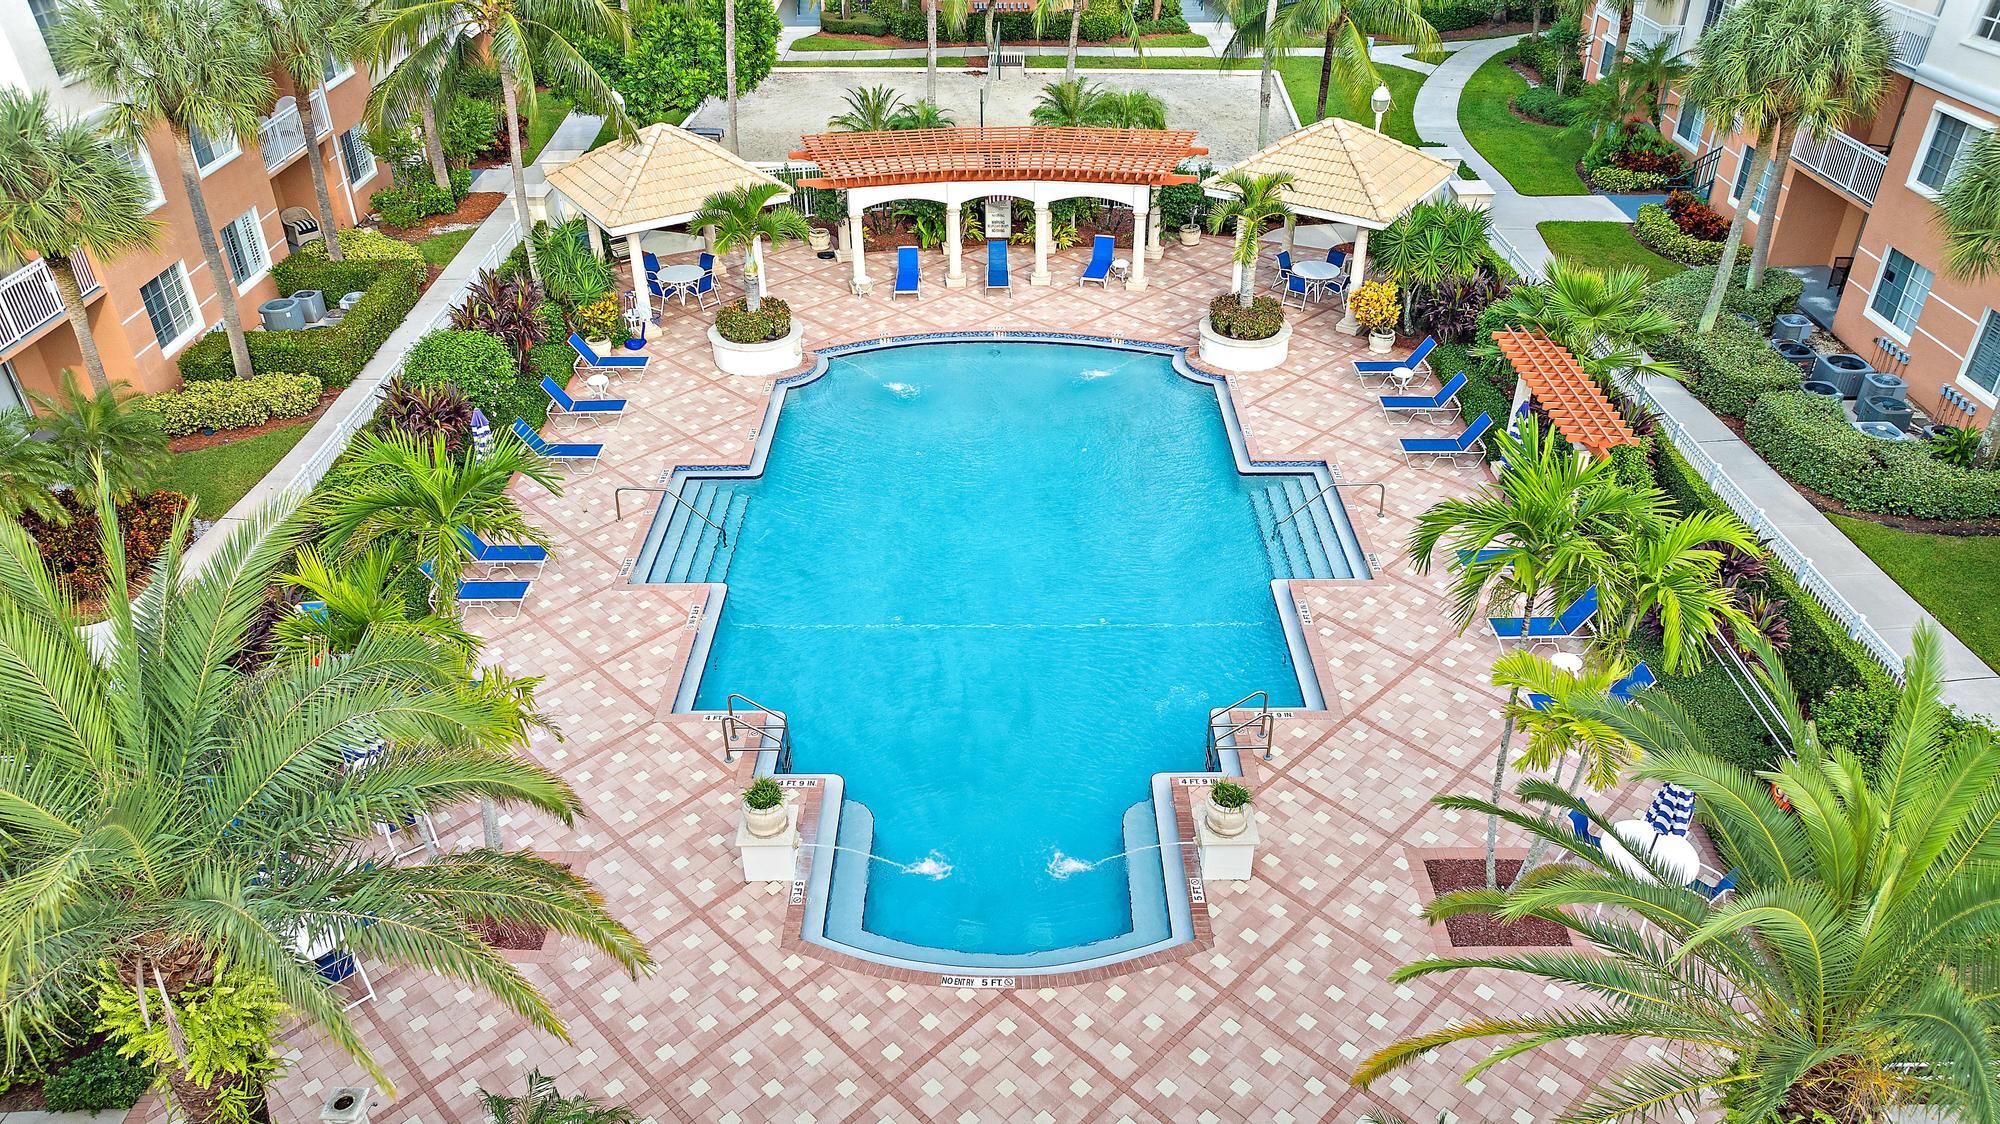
(506,308)
(406,206)
(1696,217)
(676,60)
(332,355)
(1558,48)
(1260,321)
(1684,295)
(1374,305)
(98,1081)
(1809,440)
(1543,104)
(357,244)
(861,23)
(478,365)
(738,324)
(1229,794)
(1624,181)
(1730,368)
(71,549)
(1860,718)
(1101,21)
(468,128)
(763,794)
(1657,231)
(232,403)
(601,319)
(426,411)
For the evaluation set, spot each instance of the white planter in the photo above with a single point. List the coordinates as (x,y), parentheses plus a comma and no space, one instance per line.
(602,347)
(1190,236)
(1226,822)
(758,360)
(765,823)
(1380,341)
(1225,354)
(819,239)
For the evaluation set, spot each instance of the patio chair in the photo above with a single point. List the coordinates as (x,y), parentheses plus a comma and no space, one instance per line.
(706,261)
(1284,269)
(587,357)
(1336,257)
(339,965)
(1714,891)
(1579,826)
(909,279)
(1099,269)
(1425,406)
(651,260)
(561,405)
(427,841)
(314,611)
(1382,368)
(584,455)
(491,596)
(1575,617)
(704,290)
(504,556)
(1448,448)
(1299,287)
(996,265)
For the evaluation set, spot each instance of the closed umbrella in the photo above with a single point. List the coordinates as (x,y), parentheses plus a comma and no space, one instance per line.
(1671,811)
(482,435)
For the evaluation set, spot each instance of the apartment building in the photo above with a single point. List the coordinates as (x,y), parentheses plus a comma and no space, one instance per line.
(1855,212)
(146,306)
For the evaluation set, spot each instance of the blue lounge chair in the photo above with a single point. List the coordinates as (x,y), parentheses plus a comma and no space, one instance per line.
(585,455)
(314,611)
(504,556)
(587,357)
(1466,557)
(561,405)
(1571,622)
(1640,678)
(1425,406)
(1579,826)
(1723,885)
(1381,368)
(1099,269)
(491,596)
(1448,448)
(1284,269)
(996,265)
(909,279)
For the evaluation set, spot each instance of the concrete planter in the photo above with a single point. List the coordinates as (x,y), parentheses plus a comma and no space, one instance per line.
(758,360)
(1190,235)
(1226,354)
(1226,822)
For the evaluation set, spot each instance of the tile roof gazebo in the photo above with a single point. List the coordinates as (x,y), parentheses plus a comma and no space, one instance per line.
(659,180)
(1575,403)
(1038,163)
(1344,171)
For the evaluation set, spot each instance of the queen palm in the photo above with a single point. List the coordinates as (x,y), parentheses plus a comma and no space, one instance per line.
(953,12)
(303,37)
(1069,103)
(1850,973)
(1969,212)
(195,66)
(1131,109)
(527,40)
(1344,27)
(743,218)
(1254,202)
(167,812)
(1559,720)
(65,188)
(870,109)
(543,1104)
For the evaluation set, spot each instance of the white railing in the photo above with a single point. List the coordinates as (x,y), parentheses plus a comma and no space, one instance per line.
(1846,163)
(1913,31)
(322,116)
(1646,32)
(282,135)
(28,298)
(1513,256)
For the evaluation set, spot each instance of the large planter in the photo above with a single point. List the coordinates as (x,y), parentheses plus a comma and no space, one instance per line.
(1380,340)
(765,823)
(1225,354)
(1190,235)
(758,360)
(1226,822)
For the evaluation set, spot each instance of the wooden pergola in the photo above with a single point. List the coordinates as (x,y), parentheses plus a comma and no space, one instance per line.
(1575,403)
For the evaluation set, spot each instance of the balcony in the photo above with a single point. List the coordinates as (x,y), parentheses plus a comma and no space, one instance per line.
(1646,32)
(28,299)
(1912,30)
(282,135)
(1844,162)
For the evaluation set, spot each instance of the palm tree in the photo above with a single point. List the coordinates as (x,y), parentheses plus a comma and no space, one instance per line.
(195,66)
(1432,246)
(425,84)
(870,109)
(302,36)
(921,115)
(525,39)
(85,431)
(418,492)
(65,187)
(1068,104)
(743,218)
(1559,721)
(1850,973)
(1625,11)
(1255,202)
(1669,575)
(1345,27)
(148,788)
(359,598)
(29,469)
(1131,109)
(1969,212)
(1650,71)
(1245,13)
(1601,316)
(544,1105)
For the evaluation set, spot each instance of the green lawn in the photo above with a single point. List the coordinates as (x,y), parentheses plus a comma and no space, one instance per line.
(1301,77)
(1956,577)
(439,249)
(550,111)
(1604,245)
(218,476)
(1536,159)
(821,41)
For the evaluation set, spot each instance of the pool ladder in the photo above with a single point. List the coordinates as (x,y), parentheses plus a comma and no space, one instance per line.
(760,726)
(1223,727)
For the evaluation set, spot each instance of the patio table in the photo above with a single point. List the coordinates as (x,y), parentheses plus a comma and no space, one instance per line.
(1672,852)
(1316,274)
(679,280)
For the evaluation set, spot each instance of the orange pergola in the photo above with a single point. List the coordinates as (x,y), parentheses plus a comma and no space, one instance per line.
(1581,412)
(1007,153)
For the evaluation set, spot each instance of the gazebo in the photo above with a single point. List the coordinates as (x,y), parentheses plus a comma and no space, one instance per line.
(1345,172)
(659,180)
(1037,163)
(1575,403)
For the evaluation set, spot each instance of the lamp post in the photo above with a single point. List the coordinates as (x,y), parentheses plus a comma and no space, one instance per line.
(1379,102)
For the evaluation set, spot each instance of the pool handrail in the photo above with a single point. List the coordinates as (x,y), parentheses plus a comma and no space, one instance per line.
(774,724)
(1219,730)
(618,511)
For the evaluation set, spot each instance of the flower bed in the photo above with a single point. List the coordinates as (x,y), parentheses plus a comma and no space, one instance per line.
(1656,230)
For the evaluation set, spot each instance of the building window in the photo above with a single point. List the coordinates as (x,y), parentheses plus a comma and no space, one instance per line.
(354,153)
(1951,138)
(1743,180)
(169,306)
(210,153)
(143,164)
(332,69)
(1900,294)
(1983,368)
(1609,55)
(1987,26)
(243,248)
(11,397)
(46,14)
(1688,126)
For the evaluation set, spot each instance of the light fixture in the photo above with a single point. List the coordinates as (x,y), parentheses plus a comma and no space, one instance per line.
(1379,102)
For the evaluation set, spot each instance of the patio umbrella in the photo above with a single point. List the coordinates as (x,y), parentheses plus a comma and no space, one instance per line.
(1671,811)
(482,435)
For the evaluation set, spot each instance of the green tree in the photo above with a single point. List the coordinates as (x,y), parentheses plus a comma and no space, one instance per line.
(1601,316)
(29,468)
(742,218)
(1344,27)
(1851,972)
(1968,211)
(427,88)
(676,58)
(542,1104)
(195,66)
(1432,246)
(1254,203)
(167,812)
(65,188)
(360,597)
(1070,103)
(1650,72)
(1131,109)
(870,109)
(86,431)
(1560,720)
(921,115)
(302,37)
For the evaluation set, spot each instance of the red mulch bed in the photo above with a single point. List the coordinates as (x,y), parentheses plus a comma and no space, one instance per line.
(503,934)
(1477,929)
(472,210)
(195,441)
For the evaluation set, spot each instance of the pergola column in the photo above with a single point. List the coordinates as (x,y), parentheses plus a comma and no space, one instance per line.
(1041,276)
(954,277)
(642,298)
(855,236)
(1142,222)
(1359,262)
(1153,231)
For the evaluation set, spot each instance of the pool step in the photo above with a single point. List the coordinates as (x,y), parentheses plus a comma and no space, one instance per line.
(695,544)
(1305,545)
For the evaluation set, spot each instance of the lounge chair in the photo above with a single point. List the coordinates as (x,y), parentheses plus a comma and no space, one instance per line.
(1713,891)
(504,556)
(587,358)
(491,596)
(1640,678)
(1284,269)
(340,964)
(1425,406)
(1467,557)
(1099,269)
(561,405)
(585,455)
(1448,448)
(909,279)
(1579,826)
(1382,368)
(996,265)
(1571,622)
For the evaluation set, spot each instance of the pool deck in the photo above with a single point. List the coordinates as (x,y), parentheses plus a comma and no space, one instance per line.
(1262,1022)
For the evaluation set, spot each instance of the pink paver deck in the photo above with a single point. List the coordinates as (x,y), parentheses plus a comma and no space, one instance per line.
(1264,1023)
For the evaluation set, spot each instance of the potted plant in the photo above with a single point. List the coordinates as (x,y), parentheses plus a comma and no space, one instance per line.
(1374,308)
(764,808)
(1190,234)
(742,219)
(1244,331)
(1228,811)
(820,239)
(601,323)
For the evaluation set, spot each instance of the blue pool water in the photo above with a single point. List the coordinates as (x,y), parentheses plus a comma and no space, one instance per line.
(996,587)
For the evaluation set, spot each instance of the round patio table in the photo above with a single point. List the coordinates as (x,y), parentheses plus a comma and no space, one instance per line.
(1316,274)
(1671,852)
(679,280)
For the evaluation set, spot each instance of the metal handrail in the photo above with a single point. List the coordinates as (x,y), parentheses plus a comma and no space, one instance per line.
(1220,730)
(1381,504)
(731,724)
(618,494)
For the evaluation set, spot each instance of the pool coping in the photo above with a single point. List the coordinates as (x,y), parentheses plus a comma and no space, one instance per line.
(1172,792)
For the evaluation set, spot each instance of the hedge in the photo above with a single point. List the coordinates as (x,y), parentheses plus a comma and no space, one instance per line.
(1685,295)
(1729,368)
(1657,231)
(860,23)
(358,244)
(1489,387)
(1624,181)
(333,355)
(1808,439)
(1545,105)
(737,324)
(1715,703)
(1102,22)
(232,403)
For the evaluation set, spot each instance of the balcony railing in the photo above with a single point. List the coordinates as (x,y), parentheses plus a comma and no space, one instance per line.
(1646,32)
(1844,162)
(28,298)
(1912,30)
(282,135)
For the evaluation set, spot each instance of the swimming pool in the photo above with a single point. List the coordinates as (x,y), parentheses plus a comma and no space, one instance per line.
(996,587)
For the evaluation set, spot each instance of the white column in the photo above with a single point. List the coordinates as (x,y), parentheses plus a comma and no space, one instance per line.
(1359,262)
(1141,223)
(856,236)
(954,276)
(1041,276)
(641,297)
